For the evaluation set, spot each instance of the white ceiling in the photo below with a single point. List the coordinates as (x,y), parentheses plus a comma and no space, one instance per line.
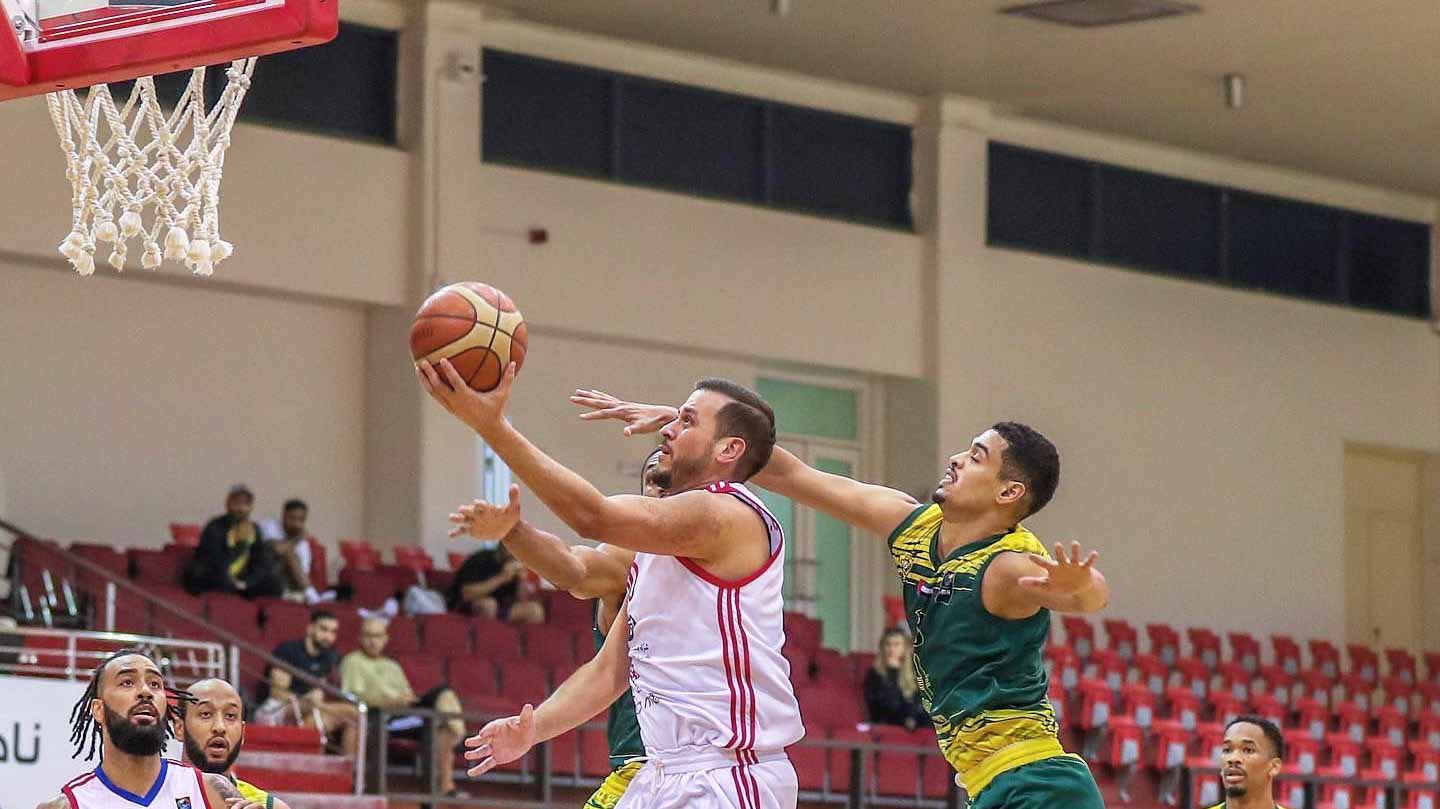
(1337,87)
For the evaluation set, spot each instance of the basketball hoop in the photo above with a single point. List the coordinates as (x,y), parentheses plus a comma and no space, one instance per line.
(138,174)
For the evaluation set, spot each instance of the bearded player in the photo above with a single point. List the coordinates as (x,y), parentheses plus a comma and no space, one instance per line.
(126,716)
(212,731)
(701,651)
(599,573)
(978,588)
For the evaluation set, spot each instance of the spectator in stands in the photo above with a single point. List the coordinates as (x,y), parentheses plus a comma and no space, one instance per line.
(292,549)
(892,694)
(315,655)
(381,683)
(489,584)
(232,558)
(1250,758)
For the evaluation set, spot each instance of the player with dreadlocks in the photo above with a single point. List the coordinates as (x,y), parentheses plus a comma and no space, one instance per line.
(126,715)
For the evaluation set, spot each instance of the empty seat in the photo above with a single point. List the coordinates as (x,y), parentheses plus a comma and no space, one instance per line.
(1108,665)
(550,645)
(801,662)
(523,682)
(445,634)
(495,640)
(801,631)
(423,671)
(1325,657)
(404,637)
(359,554)
(1121,637)
(185,534)
(826,705)
(896,773)
(1164,642)
(151,567)
(414,557)
(285,620)
(810,762)
(1245,650)
(1364,661)
(1152,672)
(563,609)
(1402,664)
(1205,645)
(1287,653)
(1079,635)
(829,664)
(473,677)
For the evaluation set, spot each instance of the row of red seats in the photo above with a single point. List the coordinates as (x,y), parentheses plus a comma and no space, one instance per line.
(1245,650)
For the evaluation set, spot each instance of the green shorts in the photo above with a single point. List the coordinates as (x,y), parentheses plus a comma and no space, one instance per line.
(1061,781)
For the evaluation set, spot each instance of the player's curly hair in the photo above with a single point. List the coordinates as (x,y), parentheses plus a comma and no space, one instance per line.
(85,730)
(1030,458)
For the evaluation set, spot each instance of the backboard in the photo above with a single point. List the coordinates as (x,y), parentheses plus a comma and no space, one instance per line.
(48,45)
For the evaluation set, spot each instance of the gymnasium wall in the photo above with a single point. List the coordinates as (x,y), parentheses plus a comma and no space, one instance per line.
(128,405)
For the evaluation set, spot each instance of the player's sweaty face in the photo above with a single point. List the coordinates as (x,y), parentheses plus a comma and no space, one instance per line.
(972,477)
(689,440)
(214,727)
(132,687)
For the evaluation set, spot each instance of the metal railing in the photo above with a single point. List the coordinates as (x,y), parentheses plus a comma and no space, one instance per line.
(539,774)
(197,660)
(233,644)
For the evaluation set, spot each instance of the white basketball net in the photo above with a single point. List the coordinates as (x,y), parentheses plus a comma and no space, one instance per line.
(138,173)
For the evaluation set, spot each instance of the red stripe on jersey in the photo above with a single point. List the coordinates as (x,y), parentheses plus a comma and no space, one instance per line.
(729,673)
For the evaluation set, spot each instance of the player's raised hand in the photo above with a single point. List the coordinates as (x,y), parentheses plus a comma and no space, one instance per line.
(483,520)
(501,742)
(482,411)
(639,418)
(1066,574)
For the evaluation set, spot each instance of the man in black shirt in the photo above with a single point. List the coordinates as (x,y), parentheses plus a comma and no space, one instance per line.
(232,557)
(315,655)
(488,584)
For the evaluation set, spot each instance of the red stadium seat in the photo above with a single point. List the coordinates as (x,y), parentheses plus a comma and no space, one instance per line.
(1429,697)
(551,646)
(1194,675)
(185,534)
(559,674)
(1126,743)
(841,771)
(1399,693)
(1325,657)
(1287,653)
(863,662)
(1184,706)
(423,671)
(1302,755)
(1096,704)
(1205,745)
(1342,755)
(1269,707)
(1152,672)
(1392,725)
(1428,732)
(1121,637)
(1402,664)
(1164,642)
(1079,635)
(1234,679)
(1278,683)
(152,567)
(801,632)
(371,587)
(472,677)
(1205,645)
(285,620)
(1245,650)
(1064,665)
(834,666)
(1337,796)
(105,556)
(1224,706)
(446,634)
(359,554)
(1432,666)
(523,682)
(1354,687)
(565,753)
(1138,704)
(1421,798)
(1314,684)
(414,557)
(801,663)
(563,609)
(810,762)
(456,558)
(495,640)
(1311,718)
(1385,756)
(319,565)
(404,638)
(1170,741)
(1364,661)
(829,706)
(937,777)
(896,773)
(276,739)
(1108,665)
(594,754)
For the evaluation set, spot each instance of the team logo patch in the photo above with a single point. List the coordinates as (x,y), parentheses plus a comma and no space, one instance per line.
(182,803)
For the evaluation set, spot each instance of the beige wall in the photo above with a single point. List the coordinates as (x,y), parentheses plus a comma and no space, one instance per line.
(127,404)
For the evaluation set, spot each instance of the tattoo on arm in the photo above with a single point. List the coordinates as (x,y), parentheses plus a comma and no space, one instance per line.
(222,785)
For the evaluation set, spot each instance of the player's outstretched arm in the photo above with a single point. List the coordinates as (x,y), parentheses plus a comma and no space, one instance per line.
(867,506)
(1018,585)
(582,697)
(583,571)
(60,802)
(877,509)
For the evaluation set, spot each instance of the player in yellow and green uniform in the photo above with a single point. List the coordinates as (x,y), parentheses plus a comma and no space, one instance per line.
(211,728)
(600,573)
(979,590)
(1250,759)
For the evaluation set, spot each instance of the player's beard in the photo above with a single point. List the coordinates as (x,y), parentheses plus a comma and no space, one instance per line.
(136,740)
(196,754)
(683,473)
(1235,791)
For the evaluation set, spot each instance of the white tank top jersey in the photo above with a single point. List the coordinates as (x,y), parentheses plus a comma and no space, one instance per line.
(706,670)
(177,787)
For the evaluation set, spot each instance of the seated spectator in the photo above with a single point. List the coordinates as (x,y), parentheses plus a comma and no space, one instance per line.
(292,548)
(315,655)
(381,683)
(231,557)
(488,584)
(891,692)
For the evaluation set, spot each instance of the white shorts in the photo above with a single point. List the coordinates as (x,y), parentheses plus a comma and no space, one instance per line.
(769,783)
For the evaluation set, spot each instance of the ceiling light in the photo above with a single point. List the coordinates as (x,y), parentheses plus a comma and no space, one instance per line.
(1096,13)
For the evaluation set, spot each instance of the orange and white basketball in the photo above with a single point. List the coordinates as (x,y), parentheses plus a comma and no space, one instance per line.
(476,327)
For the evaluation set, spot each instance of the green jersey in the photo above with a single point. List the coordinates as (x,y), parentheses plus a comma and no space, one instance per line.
(981,677)
(622,728)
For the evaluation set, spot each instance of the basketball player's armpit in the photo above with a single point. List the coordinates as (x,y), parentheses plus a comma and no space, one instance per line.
(869,507)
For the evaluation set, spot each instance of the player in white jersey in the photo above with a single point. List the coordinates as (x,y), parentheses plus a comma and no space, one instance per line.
(126,715)
(702,653)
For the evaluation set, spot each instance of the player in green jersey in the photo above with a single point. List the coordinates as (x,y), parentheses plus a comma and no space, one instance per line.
(978,589)
(599,573)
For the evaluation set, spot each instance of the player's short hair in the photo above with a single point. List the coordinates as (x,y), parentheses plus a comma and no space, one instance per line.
(319,614)
(1270,729)
(645,467)
(747,417)
(1030,458)
(296,502)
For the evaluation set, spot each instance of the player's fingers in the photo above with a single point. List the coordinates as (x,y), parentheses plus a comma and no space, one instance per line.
(1075,551)
(457,531)
(527,716)
(514,497)
(1048,564)
(507,379)
(480,769)
(1060,555)
(1091,559)
(451,375)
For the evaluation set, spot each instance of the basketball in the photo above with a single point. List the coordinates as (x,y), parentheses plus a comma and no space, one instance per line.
(476,327)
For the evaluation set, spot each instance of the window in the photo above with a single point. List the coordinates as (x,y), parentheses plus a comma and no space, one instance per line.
(1061,205)
(555,116)
(495,478)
